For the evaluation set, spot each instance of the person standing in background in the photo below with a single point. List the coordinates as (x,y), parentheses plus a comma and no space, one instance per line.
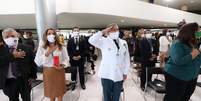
(17,67)
(1,41)
(130,41)
(115,63)
(60,36)
(151,1)
(19,37)
(28,37)
(164,42)
(53,76)
(76,50)
(35,45)
(180,24)
(149,52)
(183,67)
(137,52)
(184,7)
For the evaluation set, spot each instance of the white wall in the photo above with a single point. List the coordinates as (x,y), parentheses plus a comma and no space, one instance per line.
(124,8)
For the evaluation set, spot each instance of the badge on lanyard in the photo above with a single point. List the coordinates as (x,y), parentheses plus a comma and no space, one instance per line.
(77,47)
(152,49)
(131,42)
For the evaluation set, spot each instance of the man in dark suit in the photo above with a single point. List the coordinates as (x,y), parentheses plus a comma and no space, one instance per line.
(76,50)
(149,51)
(90,51)
(28,36)
(17,67)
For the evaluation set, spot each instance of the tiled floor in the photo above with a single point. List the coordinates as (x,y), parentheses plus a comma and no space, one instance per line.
(94,90)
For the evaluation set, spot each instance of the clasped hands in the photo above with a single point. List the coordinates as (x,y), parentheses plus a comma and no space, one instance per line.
(76,58)
(152,57)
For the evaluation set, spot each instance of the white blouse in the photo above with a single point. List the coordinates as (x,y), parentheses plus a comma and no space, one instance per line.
(42,60)
(163,44)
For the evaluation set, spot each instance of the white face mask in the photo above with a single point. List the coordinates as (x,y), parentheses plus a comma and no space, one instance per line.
(11,41)
(76,34)
(25,36)
(114,35)
(148,36)
(57,33)
(51,38)
(167,34)
(130,35)
(90,34)
(142,35)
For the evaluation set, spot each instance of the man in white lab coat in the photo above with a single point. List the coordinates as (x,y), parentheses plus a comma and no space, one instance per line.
(115,63)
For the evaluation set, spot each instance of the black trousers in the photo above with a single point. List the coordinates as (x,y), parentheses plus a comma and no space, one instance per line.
(14,87)
(143,76)
(178,90)
(79,64)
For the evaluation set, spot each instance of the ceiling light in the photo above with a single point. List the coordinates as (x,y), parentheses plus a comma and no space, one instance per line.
(191,1)
(57,21)
(20,28)
(168,0)
(165,24)
(152,27)
(122,20)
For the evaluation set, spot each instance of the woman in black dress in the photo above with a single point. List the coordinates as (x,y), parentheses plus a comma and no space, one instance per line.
(130,41)
(137,52)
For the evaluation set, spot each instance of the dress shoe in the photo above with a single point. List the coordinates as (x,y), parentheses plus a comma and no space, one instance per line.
(142,88)
(73,88)
(83,87)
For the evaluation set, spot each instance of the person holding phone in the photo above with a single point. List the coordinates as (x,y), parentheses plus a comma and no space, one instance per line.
(53,56)
(182,69)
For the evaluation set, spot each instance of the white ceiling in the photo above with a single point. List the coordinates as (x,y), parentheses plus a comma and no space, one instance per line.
(69,20)
(177,4)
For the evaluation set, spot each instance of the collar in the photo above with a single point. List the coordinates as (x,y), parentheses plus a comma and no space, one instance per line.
(13,46)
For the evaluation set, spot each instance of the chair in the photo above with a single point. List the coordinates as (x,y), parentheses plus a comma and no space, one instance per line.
(199,83)
(122,91)
(36,82)
(139,70)
(157,85)
(73,70)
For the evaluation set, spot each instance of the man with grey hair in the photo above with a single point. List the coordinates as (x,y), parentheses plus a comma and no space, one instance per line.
(115,63)
(17,67)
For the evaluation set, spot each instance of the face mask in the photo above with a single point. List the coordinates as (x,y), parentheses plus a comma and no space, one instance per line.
(76,33)
(130,35)
(50,38)
(25,36)
(148,36)
(142,35)
(57,33)
(167,34)
(114,35)
(90,34)
(11,41)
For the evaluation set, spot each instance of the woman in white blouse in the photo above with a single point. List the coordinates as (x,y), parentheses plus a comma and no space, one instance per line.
(54,76)
(164,42)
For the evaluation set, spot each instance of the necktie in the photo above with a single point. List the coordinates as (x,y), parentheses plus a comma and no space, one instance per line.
(115,41)
(76,41)
(14,64)
(150,42)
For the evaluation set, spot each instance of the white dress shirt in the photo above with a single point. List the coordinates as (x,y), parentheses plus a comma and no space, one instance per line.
(163,44)
(41,59)
(112,66)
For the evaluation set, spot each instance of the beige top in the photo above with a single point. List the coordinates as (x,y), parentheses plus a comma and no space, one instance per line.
(184,8)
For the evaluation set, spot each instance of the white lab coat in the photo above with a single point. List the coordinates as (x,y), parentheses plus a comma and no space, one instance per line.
(112,66)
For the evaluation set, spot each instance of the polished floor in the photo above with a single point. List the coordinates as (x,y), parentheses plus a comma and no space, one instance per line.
(93,91)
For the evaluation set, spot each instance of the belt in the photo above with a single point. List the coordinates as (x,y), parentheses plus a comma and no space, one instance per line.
(15,78)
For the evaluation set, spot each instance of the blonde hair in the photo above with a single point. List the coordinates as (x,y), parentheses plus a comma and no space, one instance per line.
(46,42)
(138,36)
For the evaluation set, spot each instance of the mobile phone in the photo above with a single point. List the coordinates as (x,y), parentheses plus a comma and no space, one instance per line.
(56,60)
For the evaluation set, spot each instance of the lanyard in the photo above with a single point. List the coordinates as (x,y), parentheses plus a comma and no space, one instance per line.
(52,55)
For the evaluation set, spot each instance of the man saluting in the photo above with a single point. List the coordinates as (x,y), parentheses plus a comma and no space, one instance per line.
(115,63)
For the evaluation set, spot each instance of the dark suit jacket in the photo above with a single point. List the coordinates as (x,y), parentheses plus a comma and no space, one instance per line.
(146,54)
(71,47)
(89,45)
(26,65)
(30,42)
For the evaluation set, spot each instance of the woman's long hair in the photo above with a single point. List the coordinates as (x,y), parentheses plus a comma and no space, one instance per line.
(187,34)
(46,42)
(139,35)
